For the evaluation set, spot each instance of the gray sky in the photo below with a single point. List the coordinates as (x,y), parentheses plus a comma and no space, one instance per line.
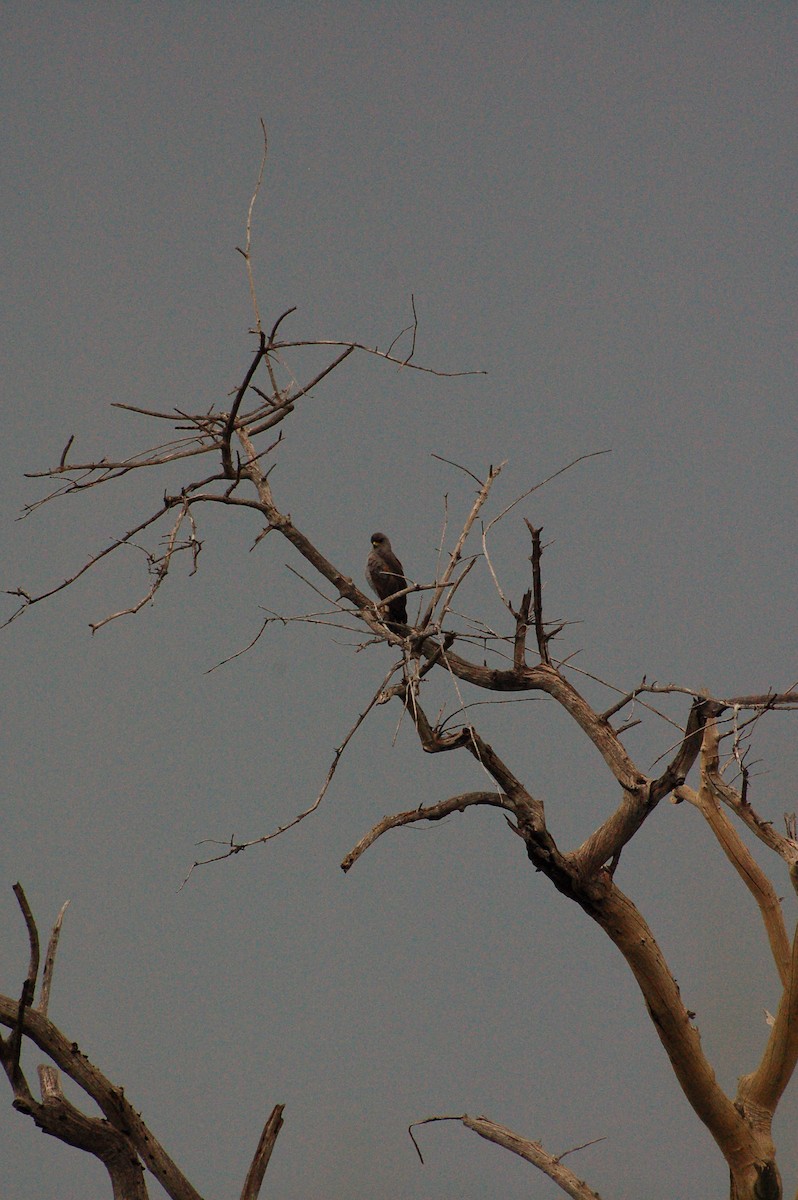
(589,202)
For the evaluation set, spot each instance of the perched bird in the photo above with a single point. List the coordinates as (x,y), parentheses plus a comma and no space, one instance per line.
(385,575)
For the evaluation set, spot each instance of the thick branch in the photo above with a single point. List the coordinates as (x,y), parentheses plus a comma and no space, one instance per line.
(765,1087)
(638,803)
(109,1098)
(601,734)
(626,927)
(707,802)
(60,1118)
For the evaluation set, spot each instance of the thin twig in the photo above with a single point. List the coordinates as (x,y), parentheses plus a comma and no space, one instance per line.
(236,847)
(454,557)
(459,466)
(537,486)
(248,243)
(400,362)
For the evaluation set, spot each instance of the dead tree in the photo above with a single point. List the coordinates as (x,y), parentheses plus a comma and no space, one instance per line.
(237,443)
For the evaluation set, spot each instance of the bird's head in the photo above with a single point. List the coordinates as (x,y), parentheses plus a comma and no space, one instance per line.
(380,541)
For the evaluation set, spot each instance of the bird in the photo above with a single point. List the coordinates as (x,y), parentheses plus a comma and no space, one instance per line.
(385,575)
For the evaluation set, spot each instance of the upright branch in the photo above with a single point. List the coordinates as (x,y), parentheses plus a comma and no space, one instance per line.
(759,1092)
(257,1170)
(521,627)
(455,556)
(230,423)
(246,253)
(12,1051)
(537,592)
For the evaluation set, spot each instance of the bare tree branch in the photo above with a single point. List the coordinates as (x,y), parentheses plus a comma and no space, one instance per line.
(738,854)
(260,1162)
(639,802)
(248,244)
(760,1092)
(400,362)
(533,1152)
(455,555)
(28,600)
(237,847)
(227,460)
(626,927)
(537,592)
(433,812)
(241,478)
(49,962)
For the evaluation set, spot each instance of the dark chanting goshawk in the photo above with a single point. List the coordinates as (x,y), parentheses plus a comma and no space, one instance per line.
(385,575)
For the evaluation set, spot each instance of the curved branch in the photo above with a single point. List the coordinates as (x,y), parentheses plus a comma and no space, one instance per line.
(624,924)
(600,733)
(57,1116)
(435,812)
(533,1152)
(764,1088)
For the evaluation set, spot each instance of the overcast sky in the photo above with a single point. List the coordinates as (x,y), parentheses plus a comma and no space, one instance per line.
(593,203)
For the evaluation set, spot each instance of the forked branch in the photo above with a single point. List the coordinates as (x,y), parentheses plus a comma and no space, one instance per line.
(707,801)
(119,1139)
